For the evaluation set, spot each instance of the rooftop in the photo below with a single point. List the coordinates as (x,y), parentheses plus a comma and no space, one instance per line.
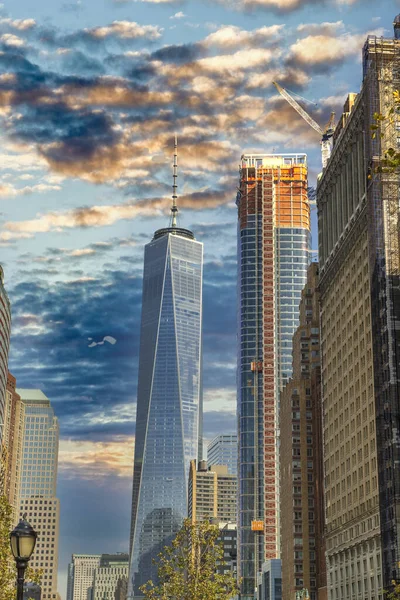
(32,396)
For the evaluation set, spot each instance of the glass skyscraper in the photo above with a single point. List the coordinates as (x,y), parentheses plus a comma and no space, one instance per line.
(169,404)
(223,450)
(273,256)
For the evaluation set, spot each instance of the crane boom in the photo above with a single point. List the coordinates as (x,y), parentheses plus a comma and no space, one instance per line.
(298,108)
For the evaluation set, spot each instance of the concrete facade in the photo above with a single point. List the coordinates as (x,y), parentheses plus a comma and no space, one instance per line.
(347,246)
(112,569)
(5,331)
(302,499)
(81,574)
(212,493)
(39,484)
(13,437)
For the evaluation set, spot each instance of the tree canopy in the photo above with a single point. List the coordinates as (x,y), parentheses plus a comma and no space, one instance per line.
(390,160)
(188,569)
(8,572)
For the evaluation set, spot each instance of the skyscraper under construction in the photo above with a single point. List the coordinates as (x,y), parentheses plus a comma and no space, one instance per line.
(273,256)
(358,214)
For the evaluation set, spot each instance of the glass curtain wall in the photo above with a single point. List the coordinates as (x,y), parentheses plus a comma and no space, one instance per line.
(169,397)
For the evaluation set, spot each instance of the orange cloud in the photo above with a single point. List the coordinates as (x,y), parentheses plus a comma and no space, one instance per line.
(94,460)
(101,216)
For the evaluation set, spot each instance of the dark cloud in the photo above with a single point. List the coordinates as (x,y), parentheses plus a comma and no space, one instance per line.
(178,53)
(56,354)
(78,62)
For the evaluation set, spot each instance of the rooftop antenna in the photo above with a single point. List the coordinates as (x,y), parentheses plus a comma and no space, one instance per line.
(174,208)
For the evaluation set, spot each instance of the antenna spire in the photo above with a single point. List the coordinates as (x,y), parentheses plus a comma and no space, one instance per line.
(174,208)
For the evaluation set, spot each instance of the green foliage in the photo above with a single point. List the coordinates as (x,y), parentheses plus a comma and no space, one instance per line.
(395,593)
(8,572)
(187,568)
(390,161)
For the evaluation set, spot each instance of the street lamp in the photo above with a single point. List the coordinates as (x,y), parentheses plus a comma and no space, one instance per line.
(22,540)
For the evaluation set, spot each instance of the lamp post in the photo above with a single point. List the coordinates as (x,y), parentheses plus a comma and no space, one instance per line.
(22,540)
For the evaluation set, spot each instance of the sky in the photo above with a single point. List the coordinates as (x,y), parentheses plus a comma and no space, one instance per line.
(91,95)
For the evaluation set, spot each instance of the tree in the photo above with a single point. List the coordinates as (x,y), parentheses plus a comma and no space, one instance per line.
(187,570)
(395,593)
(390,162)
(8,573)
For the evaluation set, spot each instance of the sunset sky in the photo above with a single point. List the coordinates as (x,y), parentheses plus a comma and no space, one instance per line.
(91,94)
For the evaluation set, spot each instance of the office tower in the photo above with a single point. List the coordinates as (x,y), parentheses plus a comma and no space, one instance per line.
(13,437)
(38,484)
(223,450)
(169,403)
(273,256)
(81,574)
(359,286)
(5,330)
(112,569)
(212,493)
(302,499)
(269,582)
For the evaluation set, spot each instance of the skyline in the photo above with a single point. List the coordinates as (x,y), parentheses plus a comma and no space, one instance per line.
(86,281)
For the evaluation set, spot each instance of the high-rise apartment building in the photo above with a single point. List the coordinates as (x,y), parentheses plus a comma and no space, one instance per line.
(301,465)
(81,574)
(360,309)
(5,331)
(13,437)
(169,403)
(112,569)
(223,450)
(212,493)
(38,484)
(273,256)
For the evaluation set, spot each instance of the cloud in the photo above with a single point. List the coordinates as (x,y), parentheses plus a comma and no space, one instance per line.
(105,215)
(96,459)
(8,191)
(128,30)
(148,1)
(231,36)
(178,15)
(18,24)
(12,40)
(109,118)
(321,51)
(325,28)
(281,6)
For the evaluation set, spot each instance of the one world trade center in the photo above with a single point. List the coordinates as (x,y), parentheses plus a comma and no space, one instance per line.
(169,402)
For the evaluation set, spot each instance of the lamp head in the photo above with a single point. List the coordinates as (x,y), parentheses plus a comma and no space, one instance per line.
(23,540)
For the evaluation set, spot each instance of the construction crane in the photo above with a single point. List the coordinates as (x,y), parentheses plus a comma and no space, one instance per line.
(326,133)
